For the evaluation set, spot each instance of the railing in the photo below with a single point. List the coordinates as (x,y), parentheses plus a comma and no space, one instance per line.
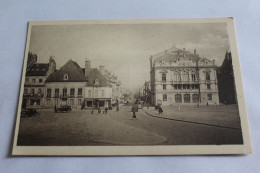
(33,95)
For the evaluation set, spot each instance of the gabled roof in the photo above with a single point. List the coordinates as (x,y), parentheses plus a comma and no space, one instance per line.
(96,78)
(72,69)
(37,69)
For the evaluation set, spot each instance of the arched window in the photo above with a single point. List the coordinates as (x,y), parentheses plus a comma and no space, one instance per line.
(176,77)
(178,98)
(186,98)
(165,97)
(207,75)
(193,77)
(185,77)
(195,98)
(163,77)
(65,77)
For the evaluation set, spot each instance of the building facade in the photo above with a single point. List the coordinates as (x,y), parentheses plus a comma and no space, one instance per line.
(98,90)
(36,75)
(65,86)
(180,77)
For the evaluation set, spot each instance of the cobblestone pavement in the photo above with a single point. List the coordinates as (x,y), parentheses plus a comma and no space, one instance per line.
(80,127)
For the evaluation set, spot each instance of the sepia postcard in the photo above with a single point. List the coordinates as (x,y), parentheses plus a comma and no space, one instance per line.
(131,87)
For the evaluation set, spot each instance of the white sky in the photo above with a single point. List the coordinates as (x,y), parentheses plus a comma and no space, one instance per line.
(125,48)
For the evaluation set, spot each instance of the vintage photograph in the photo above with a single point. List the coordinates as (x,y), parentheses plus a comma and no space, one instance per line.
(131,87)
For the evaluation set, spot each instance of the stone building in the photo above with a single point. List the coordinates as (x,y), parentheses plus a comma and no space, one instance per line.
(35,77)
(98,91)
(113,82)
(180,77)
(66,86)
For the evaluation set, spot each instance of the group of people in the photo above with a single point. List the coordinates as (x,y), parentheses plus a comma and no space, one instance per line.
(135,109)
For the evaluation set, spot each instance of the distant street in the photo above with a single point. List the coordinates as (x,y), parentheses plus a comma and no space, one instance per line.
(189,126)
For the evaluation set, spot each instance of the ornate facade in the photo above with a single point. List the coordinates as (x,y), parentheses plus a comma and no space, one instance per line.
(180,77)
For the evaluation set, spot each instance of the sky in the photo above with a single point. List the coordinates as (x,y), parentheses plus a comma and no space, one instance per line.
(125,49)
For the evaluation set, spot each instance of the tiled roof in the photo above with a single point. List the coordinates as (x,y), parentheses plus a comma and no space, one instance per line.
(96,78)
(72,69)
(175,54)
(38,69)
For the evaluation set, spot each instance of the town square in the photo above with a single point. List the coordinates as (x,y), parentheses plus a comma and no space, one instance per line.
(108,85)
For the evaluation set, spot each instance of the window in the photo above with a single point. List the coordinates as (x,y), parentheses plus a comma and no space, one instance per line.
(71,101)
(79,101)
(33,80)
(193,77)
(195,98)
(164,87)
(208,86)
(165,97)
(207,75)
(40,80)
(103,93)
(163,77)
(96,93)
(48,102)
(186,86)
(25,91)
(39,90)
(65,77)
(96,82)
(179,86)
(178,98)
(175,86)
(57,92)
(195,86)
(176,77)
(209,96)
(89,93)
(64,92)
(56,102)
(72,92)
(48,93)
(186,98)
(32,91)
(185,77)
(26,80)
(80,91)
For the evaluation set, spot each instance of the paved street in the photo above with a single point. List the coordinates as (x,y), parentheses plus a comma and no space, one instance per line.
(175,127)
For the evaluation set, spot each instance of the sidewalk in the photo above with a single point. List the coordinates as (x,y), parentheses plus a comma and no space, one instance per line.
(226,116)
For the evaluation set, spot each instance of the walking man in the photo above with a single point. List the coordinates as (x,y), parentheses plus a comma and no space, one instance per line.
(160,110)
(134,110)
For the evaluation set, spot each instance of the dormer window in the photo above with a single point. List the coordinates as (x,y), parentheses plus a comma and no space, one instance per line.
(163,62)
(96,82)
(65,77)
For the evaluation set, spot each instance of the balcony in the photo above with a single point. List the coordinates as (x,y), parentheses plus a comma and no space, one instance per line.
(33,95)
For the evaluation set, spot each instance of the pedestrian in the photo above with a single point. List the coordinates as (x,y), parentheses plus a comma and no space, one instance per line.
(99,110)
(160,110)
(55,109)
(134,110)
(106,109)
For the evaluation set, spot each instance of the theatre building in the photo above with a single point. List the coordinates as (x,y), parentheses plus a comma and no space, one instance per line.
(180,77)
(66,86)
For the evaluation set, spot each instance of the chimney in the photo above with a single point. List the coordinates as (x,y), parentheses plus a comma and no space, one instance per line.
(102,69)
(213,62)
(195,51)
(87,67)
(151,63)
(52,66)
